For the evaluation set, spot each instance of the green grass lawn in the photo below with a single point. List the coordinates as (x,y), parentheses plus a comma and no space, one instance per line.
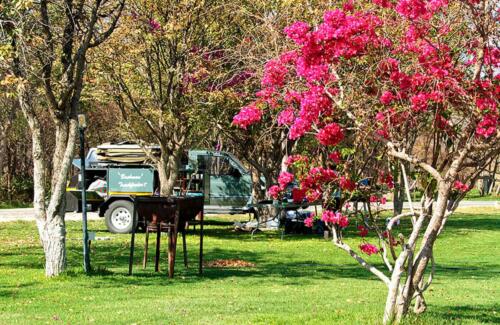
(298,280)
(474,195)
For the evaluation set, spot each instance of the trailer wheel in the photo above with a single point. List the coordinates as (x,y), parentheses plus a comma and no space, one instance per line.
(119,217)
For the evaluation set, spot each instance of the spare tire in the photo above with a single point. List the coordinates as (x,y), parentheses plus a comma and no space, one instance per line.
(119,217)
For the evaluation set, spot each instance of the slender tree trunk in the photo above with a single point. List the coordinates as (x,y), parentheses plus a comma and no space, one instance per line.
(3,152)
(399,296)
(398,192)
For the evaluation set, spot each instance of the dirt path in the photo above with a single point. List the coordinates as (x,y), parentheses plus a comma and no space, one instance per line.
(27,215)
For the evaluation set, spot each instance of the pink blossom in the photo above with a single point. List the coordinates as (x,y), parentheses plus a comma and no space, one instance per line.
(299,127)
(313,103)
(296,158)
(335,157)
(383,3)
(286,116)
(386,98)
(335,218)
(248,115)
(348,5)
(298,195)
(486,104)
(487,126)
(309,221)
(274,74)
(328,216)
(383,200)
(343,222)
(386,178)
(154,25)
(330,135)
(373,199)
(419,102)
(274,191)
(380,117)
(368,249)
(298,32)
(441,122)
(285,178)
(363,231)
(383,133)
(461,187)
(419,9)
(347,184)
(288,57)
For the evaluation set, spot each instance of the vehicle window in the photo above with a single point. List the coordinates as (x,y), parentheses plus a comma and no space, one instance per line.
(221,166)
(203,162)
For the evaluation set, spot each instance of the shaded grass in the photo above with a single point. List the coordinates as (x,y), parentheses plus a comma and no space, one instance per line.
(15,204)
(301,279)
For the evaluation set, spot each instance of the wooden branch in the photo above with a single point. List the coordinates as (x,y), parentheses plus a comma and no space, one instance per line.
(384,254)
(407,191)
(111,28)
(425,166)
(391,222)
(363,263)
(338,242)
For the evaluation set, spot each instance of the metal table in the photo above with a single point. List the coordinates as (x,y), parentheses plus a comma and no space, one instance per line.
(172,213)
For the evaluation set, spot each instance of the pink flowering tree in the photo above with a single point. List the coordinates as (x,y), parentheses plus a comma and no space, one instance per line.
(412,84)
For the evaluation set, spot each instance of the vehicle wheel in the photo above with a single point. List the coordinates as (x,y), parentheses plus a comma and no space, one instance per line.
(119,218)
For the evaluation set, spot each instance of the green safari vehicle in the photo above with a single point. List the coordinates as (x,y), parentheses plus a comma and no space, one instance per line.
(116,172)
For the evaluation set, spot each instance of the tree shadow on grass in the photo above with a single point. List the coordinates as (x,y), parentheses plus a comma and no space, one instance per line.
(10,291)
(113,256)
(456,314)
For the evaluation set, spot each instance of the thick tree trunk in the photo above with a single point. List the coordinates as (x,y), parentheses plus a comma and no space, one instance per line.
(52,228)
(53,237)
(257,193)
(49,217)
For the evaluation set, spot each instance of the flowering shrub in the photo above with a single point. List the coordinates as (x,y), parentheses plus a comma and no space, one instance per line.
(365,96)
(247,116)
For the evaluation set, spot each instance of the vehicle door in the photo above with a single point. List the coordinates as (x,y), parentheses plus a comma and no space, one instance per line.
(229,185)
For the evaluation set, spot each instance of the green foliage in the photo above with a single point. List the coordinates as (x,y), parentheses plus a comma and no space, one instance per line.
(20,191)
(293,281)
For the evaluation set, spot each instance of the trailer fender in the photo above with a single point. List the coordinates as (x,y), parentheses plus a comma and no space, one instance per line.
(105,205)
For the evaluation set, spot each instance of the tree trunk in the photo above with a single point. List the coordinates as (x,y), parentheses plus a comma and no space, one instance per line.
(399,297)
(53,237)
(49,217)
(168,169)
(398,192)
(3,153)
(257,193)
